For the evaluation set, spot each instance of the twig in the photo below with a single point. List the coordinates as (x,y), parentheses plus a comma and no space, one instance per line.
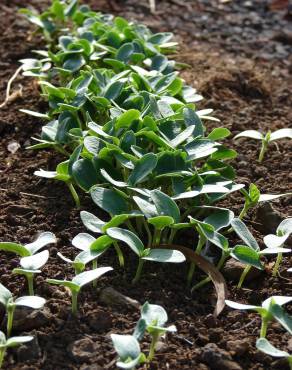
(152,6)
(36,195)
(9,83)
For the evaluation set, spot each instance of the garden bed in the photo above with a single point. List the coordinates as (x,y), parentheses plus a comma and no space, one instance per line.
(248,86)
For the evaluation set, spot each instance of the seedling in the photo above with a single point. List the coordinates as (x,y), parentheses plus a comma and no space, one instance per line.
(11,342)
(284,133)
(250,253)
(277,241)
(155,255)
(78,282)
(153,319)
(10,304)
(29,249)
(128,349)
(30,266)
(265,346)
(270,309)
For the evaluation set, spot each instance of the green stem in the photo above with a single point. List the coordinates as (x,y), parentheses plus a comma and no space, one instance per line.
(2,355)
(94,266)
(10,314)
(74,302)
(263,150)
(243,211)
(139,271)
(154,340)
(243,275)
(130,226)
(120,254)
(157,236)
(74,194)
(264,327)
(149,235)
(29,278)
(61,150)
(171,236)
(290,362)
(277,264)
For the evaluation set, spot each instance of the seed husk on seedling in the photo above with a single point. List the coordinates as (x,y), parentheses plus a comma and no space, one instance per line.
(10,304)
(128,349)
(284,133)
(277,241)
(265,346)
(78,282)
(29,249)
(270,309)
(11,342)
(134,242)
(30,266)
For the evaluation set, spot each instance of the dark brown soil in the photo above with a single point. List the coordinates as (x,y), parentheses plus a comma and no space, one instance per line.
(240,60)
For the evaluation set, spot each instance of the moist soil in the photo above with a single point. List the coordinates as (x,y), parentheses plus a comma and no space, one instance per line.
(239,56)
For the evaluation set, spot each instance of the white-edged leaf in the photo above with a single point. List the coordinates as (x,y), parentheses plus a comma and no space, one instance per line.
(42,240)
(30,301)
(5,295)
(126,346)
(127,237)
(83,241)
(253,134)
(240,306)
(274,241)
(17,341)
(267,197)
(242,231)
(276,299)
(265,346)
(165,255)
(36,261)
(88,276)
(35,114)
(281,134)
(154,314)
(91,222)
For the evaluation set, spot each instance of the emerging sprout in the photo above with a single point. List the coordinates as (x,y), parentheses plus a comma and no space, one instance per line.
(277,241)
(266,139)
(29,249)
(265,346)
(30,266)
(10,304)
(154,318)
(11,342)
(128,349)
(78,282)
(270,309)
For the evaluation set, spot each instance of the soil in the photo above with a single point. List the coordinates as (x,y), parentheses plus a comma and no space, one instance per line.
(239,54)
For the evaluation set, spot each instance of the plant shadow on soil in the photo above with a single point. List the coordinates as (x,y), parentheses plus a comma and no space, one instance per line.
(248,86)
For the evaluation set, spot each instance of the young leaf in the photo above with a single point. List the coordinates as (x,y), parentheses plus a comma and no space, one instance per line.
(35,262)
(83,241)
(42,240)
(30,301)
(253,134)
(265,346)
(88,276)
(142,169)
(165,205)
(247,255)
(165,255)
(91,222)
(281,134)
(243,232)
(109,200)
(127,237)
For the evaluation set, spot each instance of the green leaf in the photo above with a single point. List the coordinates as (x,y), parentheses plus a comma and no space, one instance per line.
(243,232)
(219,133)
(127,237)
(143,167)
(126,118)
(148,209)
(282,317)
(109,200)
(164,255)
(254,194)
(247,255)
(14,248)
(191,118)
(160,222)
(88,276)
(219,218)
(74,63)
(85,174)
(165,205)
(125,51)
(101,243)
